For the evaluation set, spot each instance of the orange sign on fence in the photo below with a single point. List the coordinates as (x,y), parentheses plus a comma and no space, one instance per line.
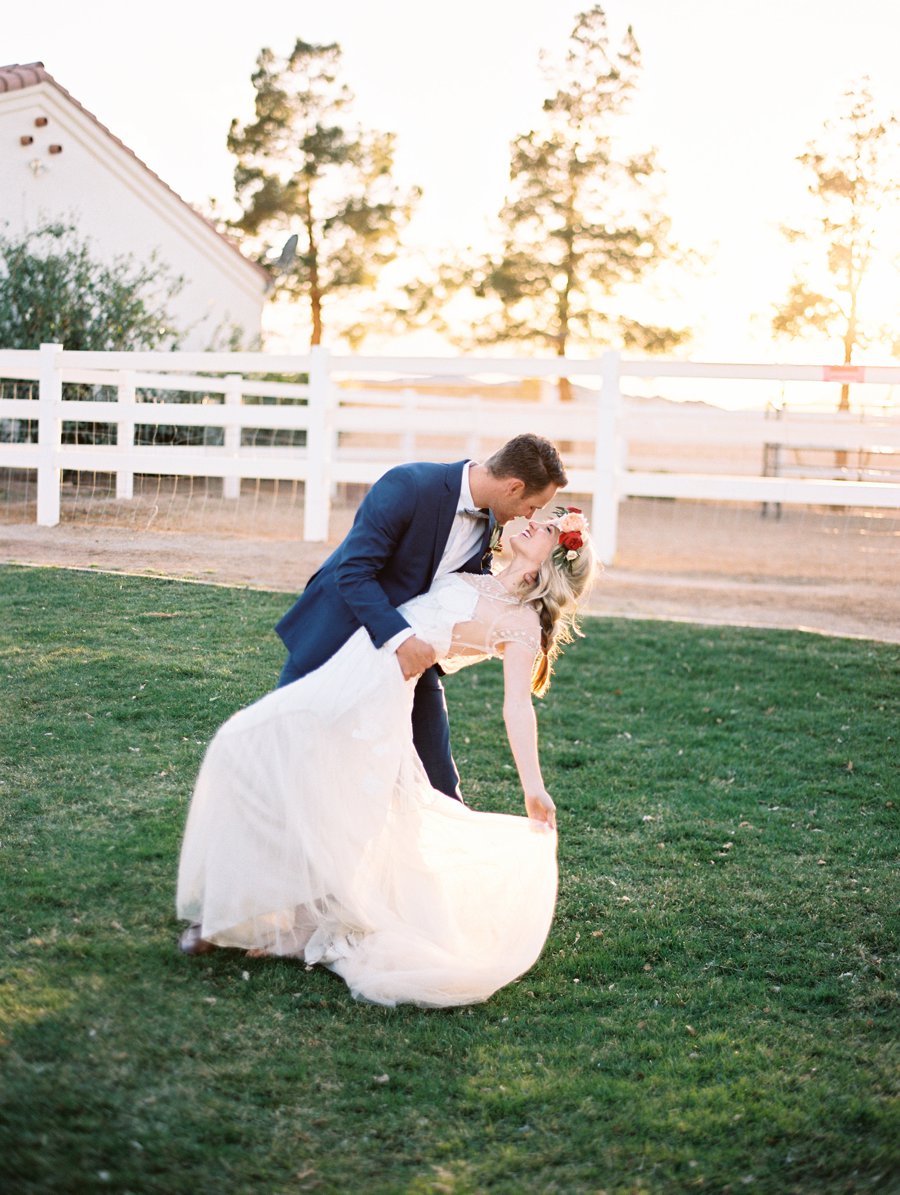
(843,373)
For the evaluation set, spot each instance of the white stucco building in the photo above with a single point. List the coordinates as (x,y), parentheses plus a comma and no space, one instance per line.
(58,162)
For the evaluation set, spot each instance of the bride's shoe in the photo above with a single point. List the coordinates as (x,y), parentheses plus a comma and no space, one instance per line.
(191,942)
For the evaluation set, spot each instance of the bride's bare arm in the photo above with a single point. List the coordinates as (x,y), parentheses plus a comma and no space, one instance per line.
(521,730)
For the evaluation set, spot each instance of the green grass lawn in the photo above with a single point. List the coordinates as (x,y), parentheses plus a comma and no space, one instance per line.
(714,1010)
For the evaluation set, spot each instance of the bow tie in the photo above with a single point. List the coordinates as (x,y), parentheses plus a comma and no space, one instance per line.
(475,513)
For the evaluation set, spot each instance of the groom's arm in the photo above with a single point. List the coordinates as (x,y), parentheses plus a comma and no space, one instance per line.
(381,522)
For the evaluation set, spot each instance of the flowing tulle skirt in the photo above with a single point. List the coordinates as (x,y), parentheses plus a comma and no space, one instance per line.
(313,832)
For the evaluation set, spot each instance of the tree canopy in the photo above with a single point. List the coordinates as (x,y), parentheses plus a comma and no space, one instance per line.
(854,189)
(303,169)
(582,220)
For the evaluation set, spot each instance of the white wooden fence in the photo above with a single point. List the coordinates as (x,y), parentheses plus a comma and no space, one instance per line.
(340,417)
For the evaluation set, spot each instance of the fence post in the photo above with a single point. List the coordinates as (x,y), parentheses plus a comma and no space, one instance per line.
(231,485)
(317,493)
(49,435)
(607,460)
(125,434)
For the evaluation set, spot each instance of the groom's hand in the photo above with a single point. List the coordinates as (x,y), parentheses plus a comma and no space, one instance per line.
(415,656)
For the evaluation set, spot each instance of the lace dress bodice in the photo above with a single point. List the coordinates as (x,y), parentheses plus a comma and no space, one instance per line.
(469,617)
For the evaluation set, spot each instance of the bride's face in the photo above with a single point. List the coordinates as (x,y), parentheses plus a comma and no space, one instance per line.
(535,542)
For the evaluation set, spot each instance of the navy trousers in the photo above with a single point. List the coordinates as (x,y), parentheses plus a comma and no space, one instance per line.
(430,724)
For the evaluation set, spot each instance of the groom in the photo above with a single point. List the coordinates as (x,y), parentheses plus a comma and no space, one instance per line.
(418,522)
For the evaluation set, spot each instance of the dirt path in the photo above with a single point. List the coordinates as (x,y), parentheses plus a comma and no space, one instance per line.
(832,573)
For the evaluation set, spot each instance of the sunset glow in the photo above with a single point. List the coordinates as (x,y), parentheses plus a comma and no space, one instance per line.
(730,96)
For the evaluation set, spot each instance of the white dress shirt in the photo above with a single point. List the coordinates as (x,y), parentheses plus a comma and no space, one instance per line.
(465,535)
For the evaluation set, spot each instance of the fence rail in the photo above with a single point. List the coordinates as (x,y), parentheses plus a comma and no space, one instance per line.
(353,433)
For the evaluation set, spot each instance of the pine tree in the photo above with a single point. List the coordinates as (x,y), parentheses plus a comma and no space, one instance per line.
(856,191)
(303,169)
(581,221)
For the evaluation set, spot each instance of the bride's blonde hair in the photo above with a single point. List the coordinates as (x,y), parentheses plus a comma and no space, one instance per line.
(558,590)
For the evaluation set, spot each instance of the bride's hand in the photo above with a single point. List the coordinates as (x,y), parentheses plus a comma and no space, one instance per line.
(415,656)
(539,806)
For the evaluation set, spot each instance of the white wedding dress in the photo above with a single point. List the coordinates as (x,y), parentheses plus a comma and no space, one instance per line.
(314,832)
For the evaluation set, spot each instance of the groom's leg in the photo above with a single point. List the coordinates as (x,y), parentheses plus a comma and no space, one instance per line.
(431,734)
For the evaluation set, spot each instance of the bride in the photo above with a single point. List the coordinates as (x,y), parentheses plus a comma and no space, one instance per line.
(313,831)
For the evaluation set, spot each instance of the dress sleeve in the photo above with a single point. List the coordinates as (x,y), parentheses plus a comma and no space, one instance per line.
(518,625)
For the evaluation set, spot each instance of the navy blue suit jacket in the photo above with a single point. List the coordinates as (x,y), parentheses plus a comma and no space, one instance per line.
(391,554)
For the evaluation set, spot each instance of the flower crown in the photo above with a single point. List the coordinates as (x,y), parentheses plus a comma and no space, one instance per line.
(572,528)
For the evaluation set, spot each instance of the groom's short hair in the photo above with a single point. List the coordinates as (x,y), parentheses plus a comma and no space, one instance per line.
(531,459)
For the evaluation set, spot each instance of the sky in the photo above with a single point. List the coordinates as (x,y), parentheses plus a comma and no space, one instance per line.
(731,92)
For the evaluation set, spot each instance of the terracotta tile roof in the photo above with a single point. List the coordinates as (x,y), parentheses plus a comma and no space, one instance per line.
(17,77)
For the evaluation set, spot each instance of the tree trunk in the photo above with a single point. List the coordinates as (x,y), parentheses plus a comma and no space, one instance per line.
(844,404)
(563,385)
(315,292)
(564,390)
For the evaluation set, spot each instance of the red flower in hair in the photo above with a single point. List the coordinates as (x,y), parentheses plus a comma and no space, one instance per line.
(571,541)
(572,527)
